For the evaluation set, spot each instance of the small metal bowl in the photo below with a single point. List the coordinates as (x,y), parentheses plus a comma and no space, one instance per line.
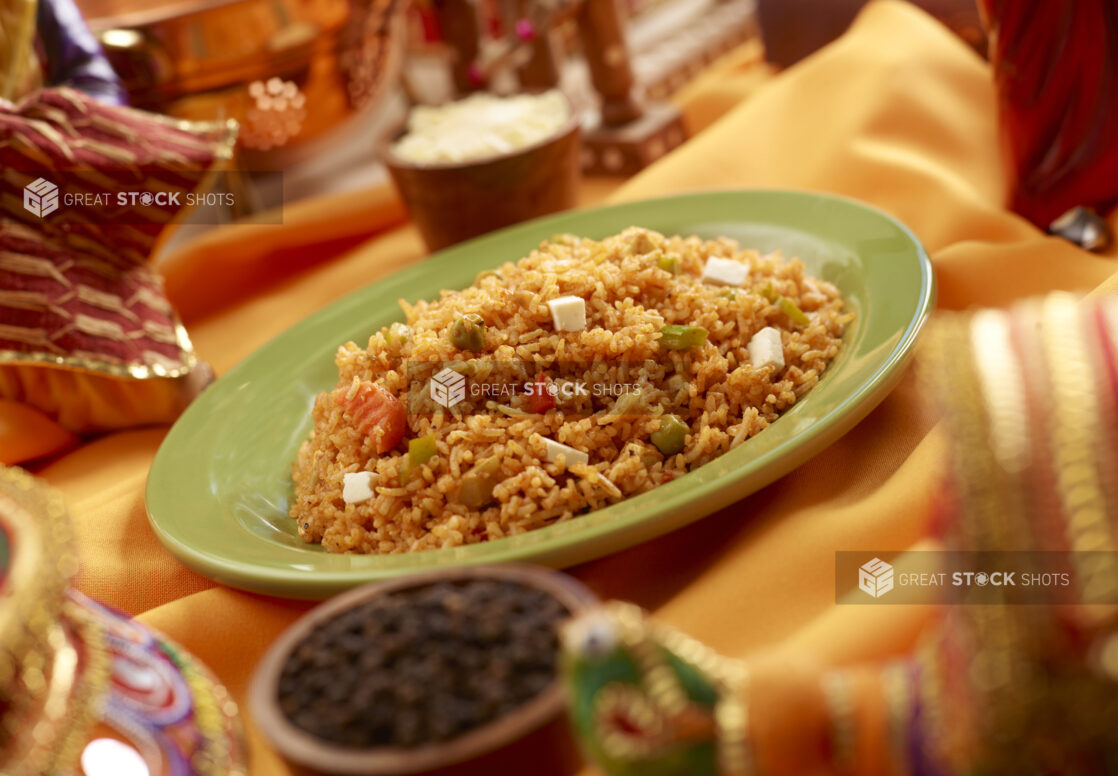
(538,725)
(452,202)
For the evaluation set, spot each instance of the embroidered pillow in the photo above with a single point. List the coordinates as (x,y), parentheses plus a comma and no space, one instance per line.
(86,190)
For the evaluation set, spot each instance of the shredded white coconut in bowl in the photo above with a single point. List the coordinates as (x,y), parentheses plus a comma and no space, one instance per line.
(480,127)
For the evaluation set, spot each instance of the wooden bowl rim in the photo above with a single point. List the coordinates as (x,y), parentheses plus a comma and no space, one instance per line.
(304,749)
(571,126)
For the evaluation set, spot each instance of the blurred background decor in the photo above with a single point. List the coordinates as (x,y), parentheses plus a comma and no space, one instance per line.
(617,60)
(1011,678)
(70,55)
(315,85)
(793,29)
(84,688)
(1055,66)
(288,71)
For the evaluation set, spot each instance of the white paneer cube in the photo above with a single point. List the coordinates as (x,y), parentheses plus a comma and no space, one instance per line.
(725,272)
(568,313)
(358,487)
(765,348)
(572,456)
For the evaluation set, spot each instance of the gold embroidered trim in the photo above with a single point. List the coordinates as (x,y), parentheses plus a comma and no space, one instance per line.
(101,366)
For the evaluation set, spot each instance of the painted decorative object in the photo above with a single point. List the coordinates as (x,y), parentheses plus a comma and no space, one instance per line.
(84,689)
(647,699)
(162,707)
(1011,679)
(52,668)
(626,133)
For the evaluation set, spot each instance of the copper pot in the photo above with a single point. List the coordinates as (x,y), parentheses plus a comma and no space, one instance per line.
(287,71)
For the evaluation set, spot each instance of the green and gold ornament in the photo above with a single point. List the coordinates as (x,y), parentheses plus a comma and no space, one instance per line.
(646,699)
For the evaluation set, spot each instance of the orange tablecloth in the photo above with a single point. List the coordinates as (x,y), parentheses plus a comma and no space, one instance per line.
(898,113)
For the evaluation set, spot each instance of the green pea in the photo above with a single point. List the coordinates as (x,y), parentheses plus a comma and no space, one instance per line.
(675,337)
(669,438)
(789,308)
(468,333)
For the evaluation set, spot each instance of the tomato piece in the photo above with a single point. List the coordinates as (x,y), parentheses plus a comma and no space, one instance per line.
(541,399)
(376,413)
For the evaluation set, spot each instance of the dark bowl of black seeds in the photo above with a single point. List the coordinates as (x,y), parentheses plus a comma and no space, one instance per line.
(417,673)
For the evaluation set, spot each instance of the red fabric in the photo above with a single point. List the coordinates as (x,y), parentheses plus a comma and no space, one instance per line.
(1056,66)
(53,301)
(103,159)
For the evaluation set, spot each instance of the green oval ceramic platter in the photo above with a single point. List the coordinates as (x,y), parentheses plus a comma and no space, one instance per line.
(220,485)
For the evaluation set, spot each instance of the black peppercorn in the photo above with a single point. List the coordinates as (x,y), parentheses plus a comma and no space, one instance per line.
(422,665)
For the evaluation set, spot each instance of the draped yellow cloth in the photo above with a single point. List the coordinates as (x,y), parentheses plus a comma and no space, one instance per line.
(897,112)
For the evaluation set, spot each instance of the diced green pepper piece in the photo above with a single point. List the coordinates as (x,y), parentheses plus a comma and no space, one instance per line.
(468,333)
(729,293)
(668,262)
(789,308)
(420,451)
(769,292)
(669,438)
(477,486)
(675,337)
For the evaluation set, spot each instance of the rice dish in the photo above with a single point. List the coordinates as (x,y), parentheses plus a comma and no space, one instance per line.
(434,436)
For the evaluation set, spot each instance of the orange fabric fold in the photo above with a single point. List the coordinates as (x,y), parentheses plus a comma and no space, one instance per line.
(260,253)
(898,113)
(27,434)
(728,81)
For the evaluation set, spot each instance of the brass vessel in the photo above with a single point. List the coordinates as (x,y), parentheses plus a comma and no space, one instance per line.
(287,70)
